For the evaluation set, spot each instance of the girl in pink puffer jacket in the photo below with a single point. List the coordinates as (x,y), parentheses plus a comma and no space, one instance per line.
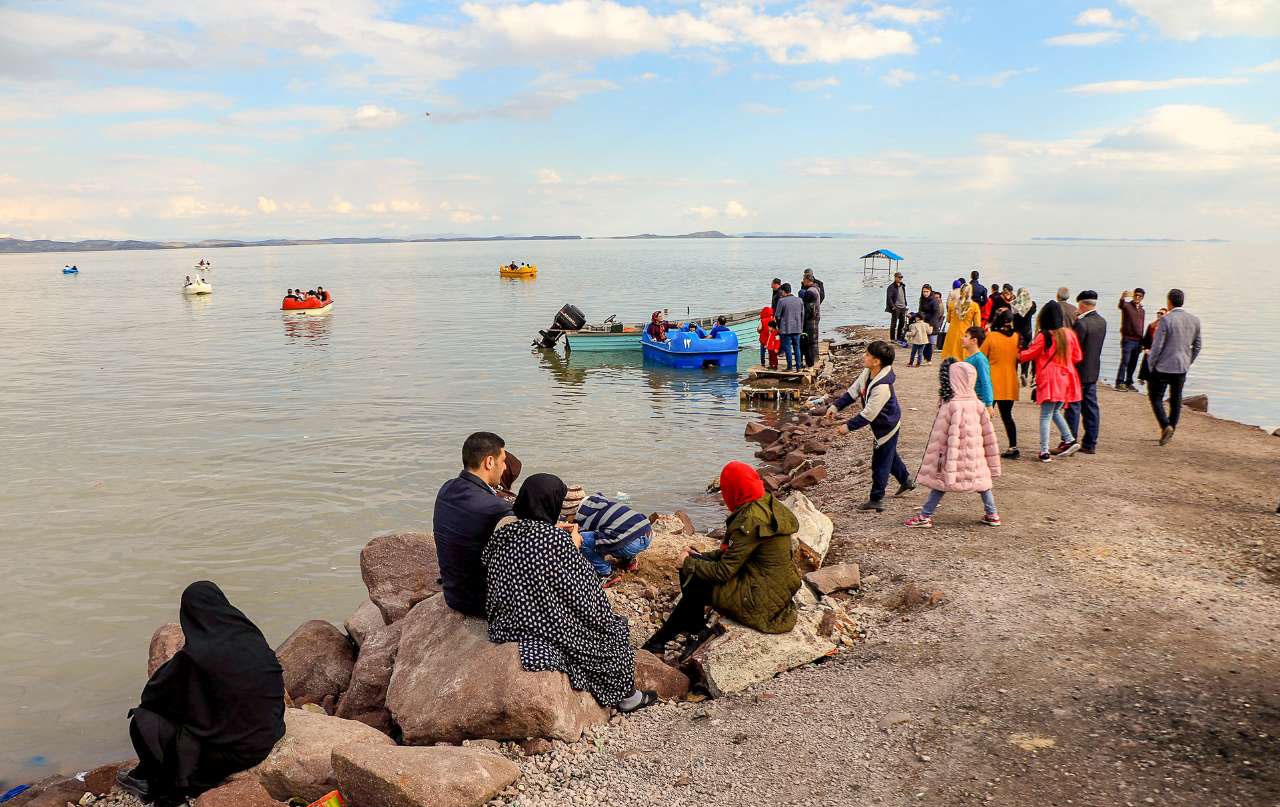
(963,455)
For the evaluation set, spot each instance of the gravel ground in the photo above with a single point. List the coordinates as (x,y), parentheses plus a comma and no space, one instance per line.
(1115,643)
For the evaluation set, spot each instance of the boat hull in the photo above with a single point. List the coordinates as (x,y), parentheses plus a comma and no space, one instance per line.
(685,350)
(743,324)
(302,308)
(524,271)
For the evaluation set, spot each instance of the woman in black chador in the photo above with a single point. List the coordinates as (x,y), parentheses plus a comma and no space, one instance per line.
(214,709)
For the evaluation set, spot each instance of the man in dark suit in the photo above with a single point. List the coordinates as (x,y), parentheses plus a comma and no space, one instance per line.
(1091,330)
(467,510)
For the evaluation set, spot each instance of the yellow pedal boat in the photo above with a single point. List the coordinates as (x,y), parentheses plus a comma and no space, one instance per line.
(519,271)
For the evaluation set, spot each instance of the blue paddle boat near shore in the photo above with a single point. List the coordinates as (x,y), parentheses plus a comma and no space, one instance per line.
(70,270)
(687,351)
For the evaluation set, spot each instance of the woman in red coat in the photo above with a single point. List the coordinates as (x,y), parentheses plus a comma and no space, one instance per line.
(1055,352)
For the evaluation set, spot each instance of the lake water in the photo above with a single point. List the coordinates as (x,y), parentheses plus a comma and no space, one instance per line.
(150,440)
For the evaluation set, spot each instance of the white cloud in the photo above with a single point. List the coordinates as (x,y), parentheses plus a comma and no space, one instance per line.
(897,77)
(340,206)
(760,110)
(736,210)
(191,207)
(267,205)
(732,209)
(1085,40)
(806,36)
(903,14)
(705,212)
(465,217)
(997,79)
(1269,67)
(372,116)
(816,84)
(647,76)
(1131,85)
(37,100)
(546,176)
(1099,18)
(546,95)
(1181,19)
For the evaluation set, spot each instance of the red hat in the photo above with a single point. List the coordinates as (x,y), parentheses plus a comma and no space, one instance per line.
(739,485)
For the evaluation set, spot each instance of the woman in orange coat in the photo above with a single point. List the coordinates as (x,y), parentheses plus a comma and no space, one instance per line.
(962,314)
(1001,349)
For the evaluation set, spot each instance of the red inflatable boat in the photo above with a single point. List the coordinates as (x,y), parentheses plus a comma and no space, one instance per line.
(309,304)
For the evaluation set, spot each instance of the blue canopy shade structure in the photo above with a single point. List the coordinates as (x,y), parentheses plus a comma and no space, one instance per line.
(871,262)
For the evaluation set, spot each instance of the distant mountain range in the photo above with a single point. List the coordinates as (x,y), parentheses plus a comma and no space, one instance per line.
(1131,240)
(12,245)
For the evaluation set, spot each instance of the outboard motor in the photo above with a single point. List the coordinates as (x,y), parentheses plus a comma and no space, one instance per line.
(568,318)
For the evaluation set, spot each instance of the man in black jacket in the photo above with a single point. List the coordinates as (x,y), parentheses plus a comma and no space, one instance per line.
(776,284)
(979,291)
(895,305)
(812,299)
(822,289)
(467,510)
(1091,330)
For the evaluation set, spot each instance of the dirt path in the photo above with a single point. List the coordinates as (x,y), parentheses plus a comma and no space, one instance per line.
(1115,643)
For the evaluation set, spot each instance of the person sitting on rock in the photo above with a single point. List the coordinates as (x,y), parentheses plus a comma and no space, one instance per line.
(544,594)
(609,528)
(751,578)
(216,708)
(466,512)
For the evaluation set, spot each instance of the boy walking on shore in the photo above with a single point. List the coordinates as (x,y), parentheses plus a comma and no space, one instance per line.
(873,389)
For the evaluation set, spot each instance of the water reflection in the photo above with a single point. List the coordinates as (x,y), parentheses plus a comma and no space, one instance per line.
(620,369)
(309,328)
(198,304)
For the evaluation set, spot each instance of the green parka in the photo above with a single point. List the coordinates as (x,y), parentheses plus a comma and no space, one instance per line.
(754,578)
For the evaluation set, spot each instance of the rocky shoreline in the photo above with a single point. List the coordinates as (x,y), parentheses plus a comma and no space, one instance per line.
(869,630)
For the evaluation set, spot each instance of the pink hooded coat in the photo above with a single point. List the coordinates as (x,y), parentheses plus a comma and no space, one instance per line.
(963,455)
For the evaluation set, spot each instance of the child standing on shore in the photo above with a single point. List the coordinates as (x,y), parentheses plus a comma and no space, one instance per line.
(918,337)
(769,341)
(963,455)
(873,389)
(971,344)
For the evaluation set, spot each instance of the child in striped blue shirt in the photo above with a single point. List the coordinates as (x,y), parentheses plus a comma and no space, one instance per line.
(610,528)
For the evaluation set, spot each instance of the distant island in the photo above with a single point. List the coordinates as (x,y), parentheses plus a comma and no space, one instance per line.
(703,234)
(17,245)
(1131,240)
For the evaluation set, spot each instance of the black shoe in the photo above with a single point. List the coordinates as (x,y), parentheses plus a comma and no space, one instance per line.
(872,504)
(1088,451)
(134,786)
(655,647)
(1011,454)
(906,487)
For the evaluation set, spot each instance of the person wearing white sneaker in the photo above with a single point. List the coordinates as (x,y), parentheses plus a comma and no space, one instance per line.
(1056,352)
(962,455)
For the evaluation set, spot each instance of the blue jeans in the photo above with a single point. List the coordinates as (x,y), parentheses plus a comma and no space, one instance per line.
(885,460)
(1052,410)
(935,496)
(1087,406)
(764,357)
(1130,350)
(917,351)
(791,349)
(625,552)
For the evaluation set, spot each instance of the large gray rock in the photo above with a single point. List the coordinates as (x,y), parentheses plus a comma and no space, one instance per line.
(300,764)
(812,541)
(317,660)
(363,621)
(443,776)
(165,642)
(366,697)
(400,570)
(451,683)
(742,657)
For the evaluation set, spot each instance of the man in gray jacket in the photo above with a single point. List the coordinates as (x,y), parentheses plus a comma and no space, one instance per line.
(895,304)
(1173,349)
(790,316)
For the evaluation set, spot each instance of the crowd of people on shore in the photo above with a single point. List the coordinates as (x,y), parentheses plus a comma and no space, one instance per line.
(790,324)
(533,565)
(990,352)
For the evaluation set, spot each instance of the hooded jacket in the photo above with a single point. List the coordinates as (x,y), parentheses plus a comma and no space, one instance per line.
(962,455)
(754,578)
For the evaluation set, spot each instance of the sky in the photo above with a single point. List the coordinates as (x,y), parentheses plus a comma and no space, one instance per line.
(950,120)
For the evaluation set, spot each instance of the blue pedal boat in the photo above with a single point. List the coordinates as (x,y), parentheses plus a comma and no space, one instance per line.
(687,351)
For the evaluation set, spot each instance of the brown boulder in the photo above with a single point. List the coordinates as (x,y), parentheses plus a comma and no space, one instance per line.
(451,684)
(761,433)
(685,522)
(400,570)
(809,478)
(366,696)
(830,579)
(442,776)
(165,642)
(363,621)
(774,483)
(814,447)
(792,461)
(773,453)
(301,764)
(317,660)
(238,793)
(55,791)
(101,779)
(537,746)
(652,673)
(1200,403)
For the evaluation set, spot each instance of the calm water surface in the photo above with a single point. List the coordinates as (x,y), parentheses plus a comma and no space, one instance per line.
(150,440)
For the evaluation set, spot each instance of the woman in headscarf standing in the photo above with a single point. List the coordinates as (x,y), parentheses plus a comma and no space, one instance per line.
(1024,312)
(962,314)
(214,709)
(544,594)
(1055,351)
(751,578)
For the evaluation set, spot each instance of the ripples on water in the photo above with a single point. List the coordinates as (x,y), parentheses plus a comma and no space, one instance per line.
(151,439)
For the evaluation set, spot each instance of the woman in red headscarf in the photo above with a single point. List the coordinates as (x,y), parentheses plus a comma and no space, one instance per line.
(750,578)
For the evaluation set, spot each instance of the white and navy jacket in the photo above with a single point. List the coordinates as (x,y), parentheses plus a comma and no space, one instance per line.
(880,409)
(613,523)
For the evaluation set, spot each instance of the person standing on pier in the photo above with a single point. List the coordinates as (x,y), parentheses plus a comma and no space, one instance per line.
(822,289)
(776,285)
(812,300)
(1091,330)
(1173,350)
(895,305)
(1133,319)
(790,315)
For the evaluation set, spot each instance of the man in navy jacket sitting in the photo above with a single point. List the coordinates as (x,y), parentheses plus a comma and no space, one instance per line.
(467,510)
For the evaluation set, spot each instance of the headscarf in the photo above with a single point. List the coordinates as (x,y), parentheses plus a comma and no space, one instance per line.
(1022,303)
(511,473)
(739,485)
(225,687)
(657,327)
(1003,322)
(957,283)
(540,498)
(766,316)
